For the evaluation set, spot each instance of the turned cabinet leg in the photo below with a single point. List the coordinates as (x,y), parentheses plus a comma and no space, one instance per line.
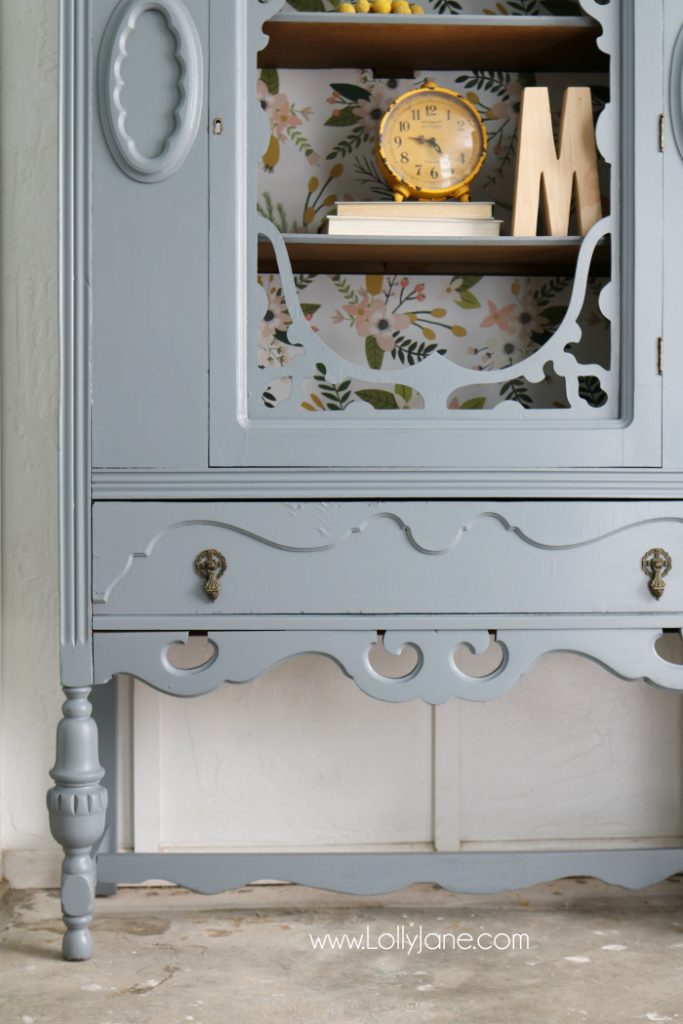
(77,806)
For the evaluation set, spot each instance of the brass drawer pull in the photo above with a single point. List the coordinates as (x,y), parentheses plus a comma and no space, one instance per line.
(211,565)
(656,564)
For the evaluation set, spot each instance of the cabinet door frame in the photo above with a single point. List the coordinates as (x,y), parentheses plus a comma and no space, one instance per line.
(520,441)
(672,141)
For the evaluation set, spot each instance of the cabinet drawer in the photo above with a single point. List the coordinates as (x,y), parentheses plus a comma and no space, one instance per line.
(384,557)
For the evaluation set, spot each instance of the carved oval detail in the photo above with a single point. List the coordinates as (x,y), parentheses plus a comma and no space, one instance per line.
(187,114)
(676,92)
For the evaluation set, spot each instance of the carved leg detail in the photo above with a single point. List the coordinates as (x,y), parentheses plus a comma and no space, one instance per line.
(77,806)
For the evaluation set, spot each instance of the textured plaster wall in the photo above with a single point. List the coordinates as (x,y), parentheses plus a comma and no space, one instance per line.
(300,757)
(28,167)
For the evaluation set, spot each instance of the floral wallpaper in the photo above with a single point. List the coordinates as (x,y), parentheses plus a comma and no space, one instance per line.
(377,321)
(323,127)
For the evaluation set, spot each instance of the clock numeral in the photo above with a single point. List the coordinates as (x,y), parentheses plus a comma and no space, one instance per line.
(405,158)
(434,173)
(404,126)
(462,158)
(415,115)
(461,125)
(398,141)
(431,109)
(418,168)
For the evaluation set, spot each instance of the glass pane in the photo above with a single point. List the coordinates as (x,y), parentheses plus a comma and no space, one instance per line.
(356,325)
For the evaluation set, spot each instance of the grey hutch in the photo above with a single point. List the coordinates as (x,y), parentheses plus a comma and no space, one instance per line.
(290,442)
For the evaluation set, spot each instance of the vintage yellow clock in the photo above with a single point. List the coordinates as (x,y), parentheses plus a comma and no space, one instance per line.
(432,144)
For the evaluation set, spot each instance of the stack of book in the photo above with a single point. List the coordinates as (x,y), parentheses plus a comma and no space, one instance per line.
(413,220)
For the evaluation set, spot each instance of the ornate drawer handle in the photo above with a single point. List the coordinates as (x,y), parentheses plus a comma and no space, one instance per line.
(656,564)
(211,565)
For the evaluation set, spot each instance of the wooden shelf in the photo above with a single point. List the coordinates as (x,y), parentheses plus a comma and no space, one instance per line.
(441,42)
(322,254)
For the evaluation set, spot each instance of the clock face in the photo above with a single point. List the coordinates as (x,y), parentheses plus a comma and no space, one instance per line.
(431,139)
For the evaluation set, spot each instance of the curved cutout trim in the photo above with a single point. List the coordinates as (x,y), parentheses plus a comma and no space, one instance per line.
(242,656)
(374,873)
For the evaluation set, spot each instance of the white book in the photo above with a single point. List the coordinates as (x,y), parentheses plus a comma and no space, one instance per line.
(417,210)
(354,227)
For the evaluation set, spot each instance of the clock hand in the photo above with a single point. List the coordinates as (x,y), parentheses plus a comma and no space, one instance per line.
(427,142)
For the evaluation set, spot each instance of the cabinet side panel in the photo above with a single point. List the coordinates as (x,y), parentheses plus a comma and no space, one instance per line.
(149,246)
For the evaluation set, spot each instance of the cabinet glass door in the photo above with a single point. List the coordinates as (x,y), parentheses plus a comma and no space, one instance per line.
(492,352)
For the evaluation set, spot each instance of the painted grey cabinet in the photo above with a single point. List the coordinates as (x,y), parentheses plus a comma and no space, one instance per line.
(292,442)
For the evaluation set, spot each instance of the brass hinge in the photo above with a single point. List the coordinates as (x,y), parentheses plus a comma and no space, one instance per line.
(660,346)
(661,133)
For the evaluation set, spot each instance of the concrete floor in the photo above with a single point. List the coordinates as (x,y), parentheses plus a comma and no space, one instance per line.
(163,955)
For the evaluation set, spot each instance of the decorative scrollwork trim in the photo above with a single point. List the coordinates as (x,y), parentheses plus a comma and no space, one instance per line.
(187,114)
(373,873)
(242,656)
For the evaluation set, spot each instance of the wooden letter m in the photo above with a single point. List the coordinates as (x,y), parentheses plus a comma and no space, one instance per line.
(539,165)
